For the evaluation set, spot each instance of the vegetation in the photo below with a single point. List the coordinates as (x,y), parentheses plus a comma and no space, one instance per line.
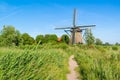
(9,36)
(99,63)
(24,58)
(27,39)
(40,39)
(114,48)
(50,62)
(50,37)
(88,37)
(65,38)
(33,64)
(98,41)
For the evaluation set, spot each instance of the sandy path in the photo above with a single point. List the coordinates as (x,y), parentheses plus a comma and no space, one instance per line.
(72,65)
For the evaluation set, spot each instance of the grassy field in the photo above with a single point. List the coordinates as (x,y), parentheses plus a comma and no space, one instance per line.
(99,63)
(50,62)
(36,64)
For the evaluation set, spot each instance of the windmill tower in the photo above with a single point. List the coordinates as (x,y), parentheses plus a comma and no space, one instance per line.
(76,31)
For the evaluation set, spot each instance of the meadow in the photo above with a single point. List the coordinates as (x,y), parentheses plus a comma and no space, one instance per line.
(99,63)
(50,62)
(33,64)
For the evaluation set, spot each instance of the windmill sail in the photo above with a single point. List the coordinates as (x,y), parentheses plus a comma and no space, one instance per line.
(64,28)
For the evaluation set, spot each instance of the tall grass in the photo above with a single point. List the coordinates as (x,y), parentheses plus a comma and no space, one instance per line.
(39,64)
(50,62)
(98,64)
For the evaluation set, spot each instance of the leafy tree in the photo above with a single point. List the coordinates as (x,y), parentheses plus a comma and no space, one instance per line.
(47,38)
(107,44)
(98,41)
(117,44)
(17,39)
(50,37)
(53,37)
(88,36)
(9,35)
(1,41)
(40,39)
(32,41)
(27,39)
(65,38)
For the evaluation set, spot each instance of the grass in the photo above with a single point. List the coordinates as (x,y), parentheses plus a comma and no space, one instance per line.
(99,63)
(39,64)
(50,62)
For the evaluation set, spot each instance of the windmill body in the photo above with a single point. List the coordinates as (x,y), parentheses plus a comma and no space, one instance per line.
(75,31)
(77,34)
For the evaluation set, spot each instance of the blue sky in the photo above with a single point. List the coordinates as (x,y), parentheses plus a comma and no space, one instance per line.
(42,16)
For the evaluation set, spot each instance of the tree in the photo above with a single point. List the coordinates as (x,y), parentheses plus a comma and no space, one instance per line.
(65,38)
(9,35)
(98,41)
(27,39)
(32,41)
(53,37)
(47,38)
(117,44)
(50,37)
(88,37)
(17,39)
(107,44)
(1,41)
(40,39)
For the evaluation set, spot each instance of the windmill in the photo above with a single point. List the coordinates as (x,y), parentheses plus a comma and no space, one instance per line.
(76,31)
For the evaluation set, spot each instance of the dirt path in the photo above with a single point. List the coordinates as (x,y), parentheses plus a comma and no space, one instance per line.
(72,65)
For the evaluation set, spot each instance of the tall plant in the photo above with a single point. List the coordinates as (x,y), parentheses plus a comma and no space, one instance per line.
(88,37)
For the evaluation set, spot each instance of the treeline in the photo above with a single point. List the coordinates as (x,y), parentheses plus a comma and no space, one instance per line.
(9,36)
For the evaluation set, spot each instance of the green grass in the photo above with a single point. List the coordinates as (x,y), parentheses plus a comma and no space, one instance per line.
(50,62)
(99,63)
(39,64)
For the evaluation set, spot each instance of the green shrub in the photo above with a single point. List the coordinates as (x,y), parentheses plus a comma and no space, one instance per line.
(114,48)
(65,38)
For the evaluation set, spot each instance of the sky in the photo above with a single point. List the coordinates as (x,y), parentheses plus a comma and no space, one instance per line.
(42,16)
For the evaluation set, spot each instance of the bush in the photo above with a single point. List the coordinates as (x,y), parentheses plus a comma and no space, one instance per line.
(50,37)
(114,48)
(98,41)
(65,38)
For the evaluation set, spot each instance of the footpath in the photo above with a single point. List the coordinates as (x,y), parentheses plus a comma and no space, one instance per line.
(73,75)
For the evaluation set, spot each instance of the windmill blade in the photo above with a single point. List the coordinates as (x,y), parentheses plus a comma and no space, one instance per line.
(67,32)
(74,18)
(82,29)
(64,28)
(86,26)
